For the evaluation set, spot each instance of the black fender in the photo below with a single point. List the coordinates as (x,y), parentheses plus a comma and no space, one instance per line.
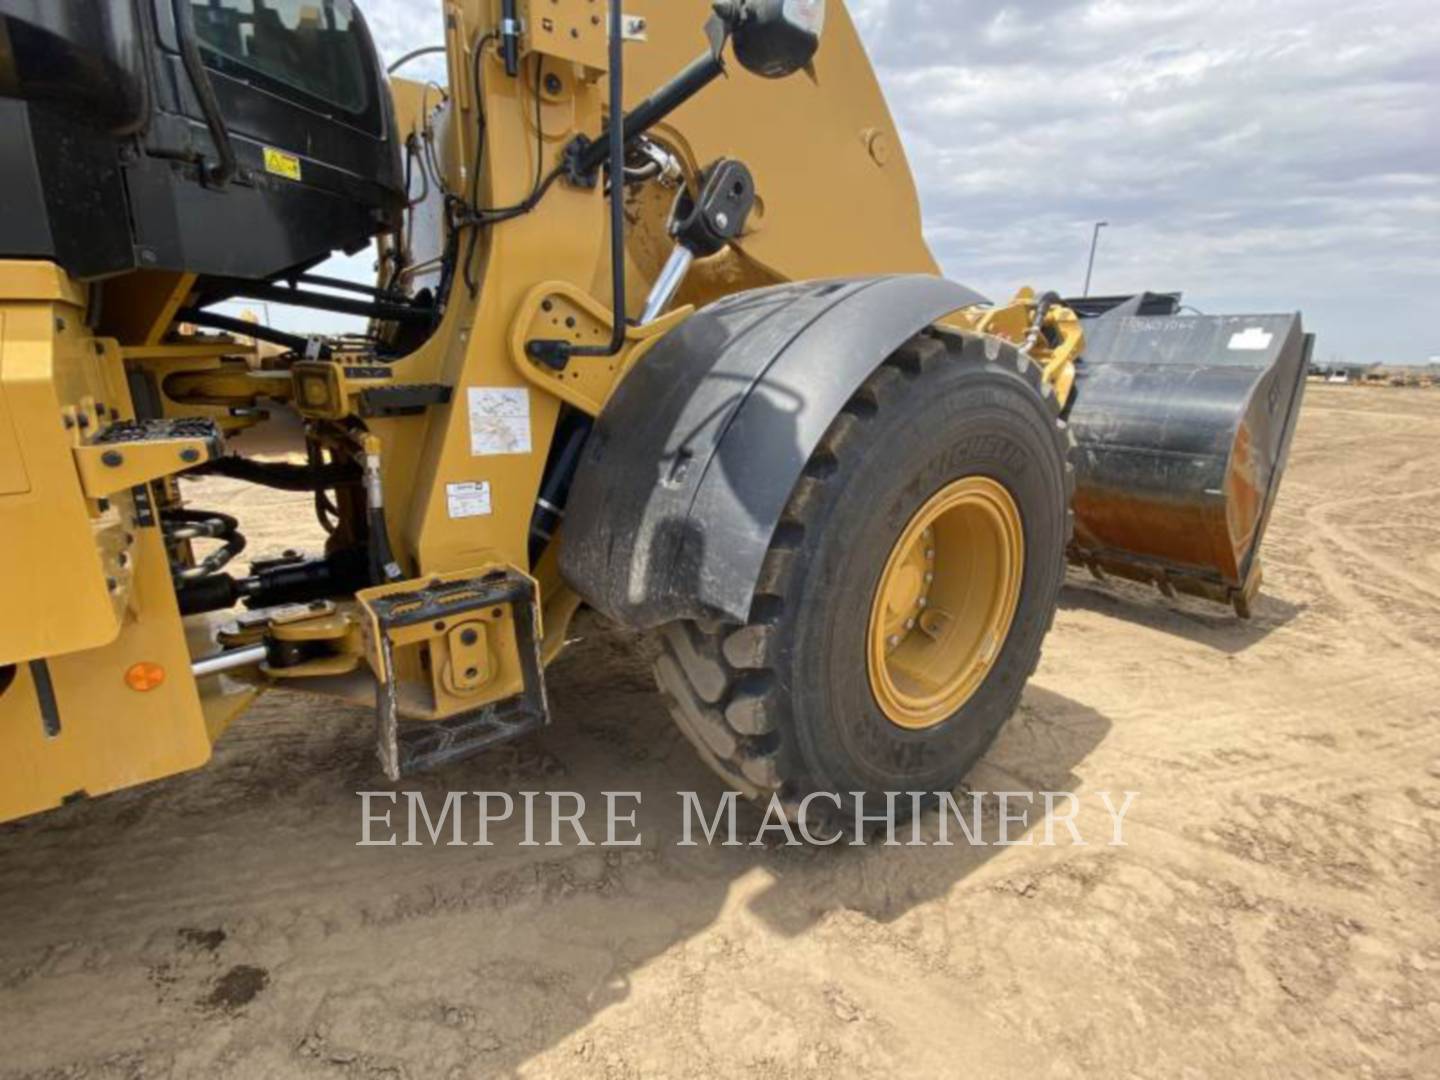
(683,483)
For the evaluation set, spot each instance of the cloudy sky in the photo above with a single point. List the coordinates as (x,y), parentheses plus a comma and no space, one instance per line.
(1258,154)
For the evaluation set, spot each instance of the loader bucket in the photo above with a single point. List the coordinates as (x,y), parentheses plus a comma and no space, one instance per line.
(1183,424)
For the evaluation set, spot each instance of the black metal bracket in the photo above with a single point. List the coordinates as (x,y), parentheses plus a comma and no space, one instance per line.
(404,399)
(45,694)
(553,353)
(708,223)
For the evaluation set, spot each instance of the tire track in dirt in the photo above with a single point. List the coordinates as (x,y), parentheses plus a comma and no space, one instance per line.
(1278,885)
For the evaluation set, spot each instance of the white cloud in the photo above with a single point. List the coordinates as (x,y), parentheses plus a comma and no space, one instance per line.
(1270,155)
(1260,156)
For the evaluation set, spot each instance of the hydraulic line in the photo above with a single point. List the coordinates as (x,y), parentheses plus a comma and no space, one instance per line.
(280,476)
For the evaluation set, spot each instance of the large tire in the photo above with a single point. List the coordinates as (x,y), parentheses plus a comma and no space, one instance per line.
(784,704)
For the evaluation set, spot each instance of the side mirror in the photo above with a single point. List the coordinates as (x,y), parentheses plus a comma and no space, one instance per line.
(774,38)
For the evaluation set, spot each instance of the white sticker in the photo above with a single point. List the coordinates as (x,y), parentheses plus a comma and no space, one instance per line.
(468,500)
(499,421)
(1255,339)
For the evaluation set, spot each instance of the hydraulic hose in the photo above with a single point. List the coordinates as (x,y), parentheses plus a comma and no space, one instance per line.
(616,136)
(557,354)
(617,175)
(281,476)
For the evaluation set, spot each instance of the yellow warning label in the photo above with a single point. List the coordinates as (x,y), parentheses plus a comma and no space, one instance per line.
(282,164)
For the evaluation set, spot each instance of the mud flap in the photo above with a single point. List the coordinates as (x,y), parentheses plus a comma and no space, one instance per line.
(1184,425)
(685,479)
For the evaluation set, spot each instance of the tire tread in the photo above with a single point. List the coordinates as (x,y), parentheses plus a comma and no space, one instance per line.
(720,682)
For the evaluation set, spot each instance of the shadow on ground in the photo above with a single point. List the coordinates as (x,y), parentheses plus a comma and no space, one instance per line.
(252,936)
(1212,625)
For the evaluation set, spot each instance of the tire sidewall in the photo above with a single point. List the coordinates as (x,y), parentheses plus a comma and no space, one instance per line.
(955,420)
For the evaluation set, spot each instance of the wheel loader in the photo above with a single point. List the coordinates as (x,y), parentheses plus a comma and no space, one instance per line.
(654,328)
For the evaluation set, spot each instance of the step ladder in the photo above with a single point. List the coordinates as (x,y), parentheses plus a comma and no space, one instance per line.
(413,612)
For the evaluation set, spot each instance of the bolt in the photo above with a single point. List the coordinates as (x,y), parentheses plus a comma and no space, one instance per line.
(894,640)
(469,637)
(553,84)
(929,556)
(439,627)
(922,602)
(472,673)
(723,220)
(111,584)
(112,459)
(929,577)
(190,454)
(909,624)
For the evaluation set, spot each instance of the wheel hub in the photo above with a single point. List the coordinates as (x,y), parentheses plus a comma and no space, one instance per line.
(945,602)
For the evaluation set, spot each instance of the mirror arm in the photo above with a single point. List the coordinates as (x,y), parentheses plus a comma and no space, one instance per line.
(585,157)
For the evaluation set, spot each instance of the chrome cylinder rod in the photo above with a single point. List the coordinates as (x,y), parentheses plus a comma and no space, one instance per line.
(668,283)
(228,661)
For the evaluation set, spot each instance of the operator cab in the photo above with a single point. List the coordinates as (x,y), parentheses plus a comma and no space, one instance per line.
(235,139)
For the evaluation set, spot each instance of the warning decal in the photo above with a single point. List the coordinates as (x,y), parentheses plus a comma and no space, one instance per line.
(279,163)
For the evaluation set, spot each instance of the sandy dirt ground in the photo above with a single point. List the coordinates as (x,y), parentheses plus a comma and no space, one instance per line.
(1275,913)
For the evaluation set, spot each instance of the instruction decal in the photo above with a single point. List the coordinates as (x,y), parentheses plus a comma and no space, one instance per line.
(499,421)
(468,500)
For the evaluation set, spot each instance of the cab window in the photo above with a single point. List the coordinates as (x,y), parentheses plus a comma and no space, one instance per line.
(314,46)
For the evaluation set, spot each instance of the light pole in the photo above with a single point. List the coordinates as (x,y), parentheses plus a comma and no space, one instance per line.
(1094,243)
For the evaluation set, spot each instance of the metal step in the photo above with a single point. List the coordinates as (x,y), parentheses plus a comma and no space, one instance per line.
(129,453)
(420,746)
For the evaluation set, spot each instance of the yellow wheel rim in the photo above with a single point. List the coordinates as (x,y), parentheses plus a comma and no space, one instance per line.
(945,603)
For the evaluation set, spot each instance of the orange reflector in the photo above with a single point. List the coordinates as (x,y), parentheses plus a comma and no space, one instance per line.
(144,676)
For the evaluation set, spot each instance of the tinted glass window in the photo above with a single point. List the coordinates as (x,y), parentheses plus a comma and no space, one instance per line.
(314,46)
